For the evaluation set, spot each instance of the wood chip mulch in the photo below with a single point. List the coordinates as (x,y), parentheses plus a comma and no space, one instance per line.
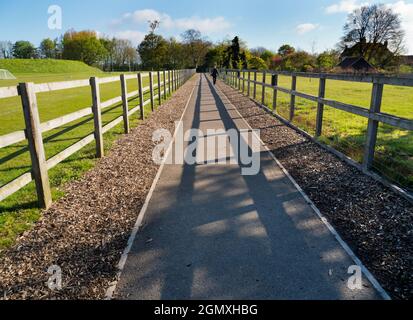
(86,232)
(376,222)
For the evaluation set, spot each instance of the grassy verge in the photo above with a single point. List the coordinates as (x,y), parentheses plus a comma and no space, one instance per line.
(347,132)
(48,66)
(19,211)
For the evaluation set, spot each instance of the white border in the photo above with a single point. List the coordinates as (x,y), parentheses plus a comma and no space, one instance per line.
(121,265)
(348,250)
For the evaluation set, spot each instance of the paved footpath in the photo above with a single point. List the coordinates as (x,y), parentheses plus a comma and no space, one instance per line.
(210,232)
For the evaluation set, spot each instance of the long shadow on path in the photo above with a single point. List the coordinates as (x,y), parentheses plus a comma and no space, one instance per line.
(212,233)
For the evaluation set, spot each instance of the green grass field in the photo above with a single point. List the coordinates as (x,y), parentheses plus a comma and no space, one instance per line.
(347,132)
(19,211)
(46,66)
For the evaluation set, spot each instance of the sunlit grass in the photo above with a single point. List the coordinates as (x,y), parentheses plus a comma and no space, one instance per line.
(347,132)
(19,211)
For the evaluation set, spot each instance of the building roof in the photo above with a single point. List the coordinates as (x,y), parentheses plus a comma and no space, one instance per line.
(356,63)
(347,62)
(407,60)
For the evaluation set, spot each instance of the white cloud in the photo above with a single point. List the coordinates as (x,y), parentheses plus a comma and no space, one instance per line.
(146,15)
(208,25)
(132,35)
(345,6)
(204,25)
(406,14)
(306,27)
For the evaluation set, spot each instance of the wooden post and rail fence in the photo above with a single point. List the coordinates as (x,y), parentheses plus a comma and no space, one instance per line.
(373,114)
(171,81)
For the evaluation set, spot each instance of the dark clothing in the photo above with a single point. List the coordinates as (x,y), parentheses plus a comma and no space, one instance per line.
(214,75)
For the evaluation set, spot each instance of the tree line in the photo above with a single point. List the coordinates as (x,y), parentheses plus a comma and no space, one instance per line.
(107,53)
(373,32)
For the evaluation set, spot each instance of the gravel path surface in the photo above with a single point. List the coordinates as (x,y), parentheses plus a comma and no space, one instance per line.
(86,232)
(373,220)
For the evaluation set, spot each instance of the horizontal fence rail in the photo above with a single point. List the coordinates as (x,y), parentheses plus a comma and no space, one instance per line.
(241,78)
(171,81)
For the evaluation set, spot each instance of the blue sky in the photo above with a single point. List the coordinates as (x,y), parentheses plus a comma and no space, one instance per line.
(310,25)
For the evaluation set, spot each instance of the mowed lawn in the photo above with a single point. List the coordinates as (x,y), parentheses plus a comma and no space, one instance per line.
(19,211)
(347,132)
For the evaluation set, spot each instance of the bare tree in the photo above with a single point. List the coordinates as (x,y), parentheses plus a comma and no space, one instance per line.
(131,56)
(153,25)
(6,50)
(258,51)
(124,53)
(197,46)
(375,24)
(120,53)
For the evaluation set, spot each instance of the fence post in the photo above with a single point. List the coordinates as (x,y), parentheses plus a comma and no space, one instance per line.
(320,107)
(243,81)
(125,103)
(255,86)
(141,100)
(235,79)
(169,82)
(274,83)
(375,106)
(159,88)
(264,76)
(177,79)
(164,84)
(97,116)
(239,80)
(35,142)
(249,83)
(151,91)
(292,102)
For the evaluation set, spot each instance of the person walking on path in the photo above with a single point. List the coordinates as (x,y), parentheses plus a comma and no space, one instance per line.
(215,74)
